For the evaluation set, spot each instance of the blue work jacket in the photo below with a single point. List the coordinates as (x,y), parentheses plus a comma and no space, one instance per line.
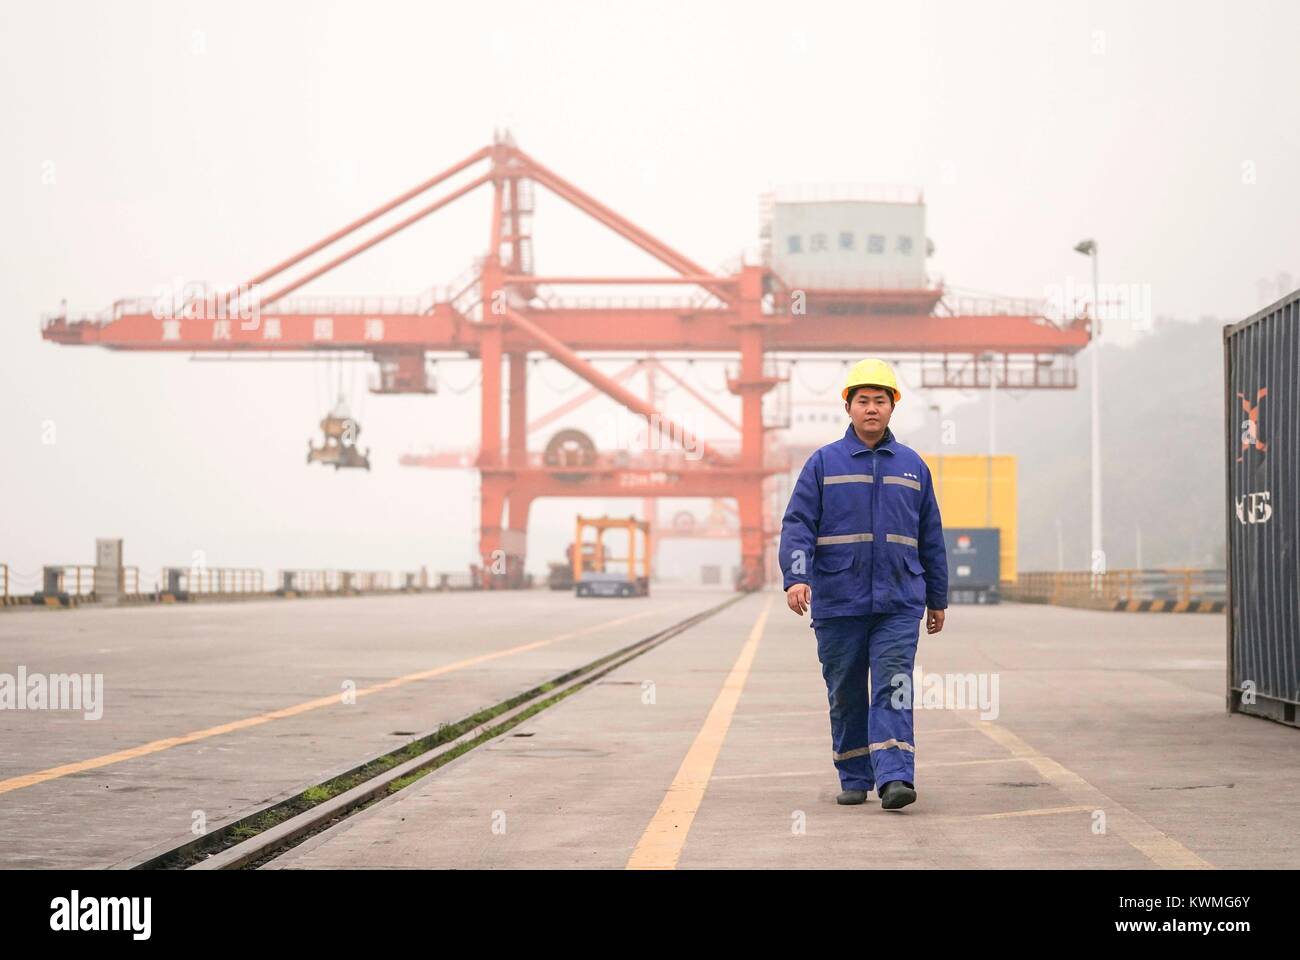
(863,531)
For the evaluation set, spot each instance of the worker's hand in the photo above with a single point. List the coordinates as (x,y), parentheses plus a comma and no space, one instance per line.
(933,620)
(799,597)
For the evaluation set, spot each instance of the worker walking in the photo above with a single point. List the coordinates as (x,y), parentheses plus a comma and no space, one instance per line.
(862,542)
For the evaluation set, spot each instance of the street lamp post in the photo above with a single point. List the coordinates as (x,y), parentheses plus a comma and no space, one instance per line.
(1089,249)
(990,357)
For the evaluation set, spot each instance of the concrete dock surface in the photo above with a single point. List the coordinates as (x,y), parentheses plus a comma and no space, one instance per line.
(1110,748)
(1097,739)
(212,711)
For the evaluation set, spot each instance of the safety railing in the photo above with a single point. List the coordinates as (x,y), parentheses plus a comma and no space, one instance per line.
(457,580)
(211,580)
(971,305)
(1176,585)
(553,301)
(166,307)
(417,580)
(794,277)
(465,291)
(370,305)
(125,307)
(79,580)
(969,373)
(65,583)
(97,317)
(130,585)
(350,581)
(311,581)
(74,580)
(676,461)
(843,193)
(367,580)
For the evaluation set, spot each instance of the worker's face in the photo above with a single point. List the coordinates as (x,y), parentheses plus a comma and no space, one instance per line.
(870,409)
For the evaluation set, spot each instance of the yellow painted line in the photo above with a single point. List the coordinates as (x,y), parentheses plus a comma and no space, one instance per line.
(825,737)
(1040,812)
(821,773)
(764,776)
(926,764)
(1155,845)
(920,765)
(967,763)
(1036,812)
(157,746)
(661,844)
(926,733)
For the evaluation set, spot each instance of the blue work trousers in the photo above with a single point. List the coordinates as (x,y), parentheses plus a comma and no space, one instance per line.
(872,740)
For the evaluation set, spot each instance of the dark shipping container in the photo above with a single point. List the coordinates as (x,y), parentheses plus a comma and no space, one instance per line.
(1261,372)
(974,564)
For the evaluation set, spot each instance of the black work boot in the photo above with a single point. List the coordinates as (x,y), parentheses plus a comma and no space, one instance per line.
(852,796)
(897,793)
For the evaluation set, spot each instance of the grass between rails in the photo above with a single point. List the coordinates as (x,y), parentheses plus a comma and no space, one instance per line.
(315,795)
(258,823)
(403,782)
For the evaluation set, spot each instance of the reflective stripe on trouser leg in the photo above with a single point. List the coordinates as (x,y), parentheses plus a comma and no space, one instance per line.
(842,650)
(891,645)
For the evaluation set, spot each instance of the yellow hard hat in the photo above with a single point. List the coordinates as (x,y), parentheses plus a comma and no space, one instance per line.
(871,373)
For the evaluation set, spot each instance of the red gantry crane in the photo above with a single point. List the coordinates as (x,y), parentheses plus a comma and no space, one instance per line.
(505,312)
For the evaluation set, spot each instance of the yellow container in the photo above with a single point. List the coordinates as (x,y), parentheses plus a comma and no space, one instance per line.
(978,491)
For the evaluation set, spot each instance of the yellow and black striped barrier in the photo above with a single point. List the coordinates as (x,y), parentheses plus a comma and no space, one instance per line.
(1170,590)
(1169,606)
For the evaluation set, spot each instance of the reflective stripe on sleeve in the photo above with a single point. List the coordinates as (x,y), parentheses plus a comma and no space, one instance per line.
(846,538)
(897,538)
(905,481)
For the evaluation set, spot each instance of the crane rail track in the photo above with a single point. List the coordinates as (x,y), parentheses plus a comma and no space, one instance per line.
(267,832)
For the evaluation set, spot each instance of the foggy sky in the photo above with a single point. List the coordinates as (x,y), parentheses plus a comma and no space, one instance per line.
(209,140)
